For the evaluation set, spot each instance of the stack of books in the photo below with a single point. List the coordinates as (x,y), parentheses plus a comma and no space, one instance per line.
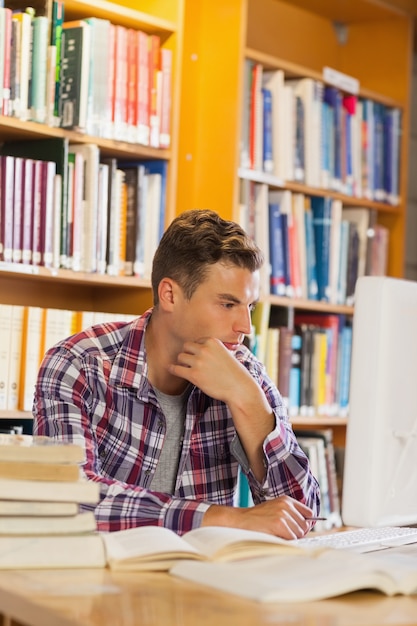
(41,490)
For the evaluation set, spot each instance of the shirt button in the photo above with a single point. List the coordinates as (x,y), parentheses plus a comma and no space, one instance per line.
(263,493)
(147,472)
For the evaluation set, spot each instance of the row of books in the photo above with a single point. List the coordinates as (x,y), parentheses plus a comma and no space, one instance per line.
(319,448)
(307,131)
(78,210)
(89,75)
(316,248)
(25,335)
(309,362)
(42,493)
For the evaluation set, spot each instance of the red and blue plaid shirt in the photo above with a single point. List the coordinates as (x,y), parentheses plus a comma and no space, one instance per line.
(93,389)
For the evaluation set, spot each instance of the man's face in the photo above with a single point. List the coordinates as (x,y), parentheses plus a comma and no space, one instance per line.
(220,307)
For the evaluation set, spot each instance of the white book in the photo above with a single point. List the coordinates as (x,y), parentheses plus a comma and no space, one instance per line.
(274,81)
(31,355)
(307,577)
(91,158)
(152,206)
(5,326)
(102,204)
(99,114)
(15,348)
(49,552)
(39,68)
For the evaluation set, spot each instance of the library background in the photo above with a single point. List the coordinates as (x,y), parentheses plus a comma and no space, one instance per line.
(294,118)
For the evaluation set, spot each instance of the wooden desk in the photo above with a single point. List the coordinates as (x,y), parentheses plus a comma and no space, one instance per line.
(102,598)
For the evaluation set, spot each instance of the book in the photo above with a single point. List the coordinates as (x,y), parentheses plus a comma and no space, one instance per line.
(36,470)
(99,104)
(276,250)
(39,64)
(33,448)
(303,577)
(284,362)
(322,220)
(33,508)
(51,149)
(14,356)
(44,525)
(75,68)
(158,548)
(46,552)
(81,491)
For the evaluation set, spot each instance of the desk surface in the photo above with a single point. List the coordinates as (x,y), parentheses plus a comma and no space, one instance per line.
(102,598)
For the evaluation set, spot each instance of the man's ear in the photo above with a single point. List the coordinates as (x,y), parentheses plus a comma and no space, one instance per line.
(167,290)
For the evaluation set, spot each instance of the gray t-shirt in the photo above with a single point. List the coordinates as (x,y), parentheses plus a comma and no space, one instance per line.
(174,408)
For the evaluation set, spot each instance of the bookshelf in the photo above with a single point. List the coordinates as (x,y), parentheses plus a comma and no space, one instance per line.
(57,288)
(39,286)
(370,41)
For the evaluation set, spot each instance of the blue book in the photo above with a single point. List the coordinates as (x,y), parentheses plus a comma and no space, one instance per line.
(379,193)
(286,253)
(312,288)
(345,342)
(333,97)
(276,251)
(159,167)
(295,376)
(322,221)
(268,156)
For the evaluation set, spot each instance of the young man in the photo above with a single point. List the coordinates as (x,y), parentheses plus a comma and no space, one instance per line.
(170,405)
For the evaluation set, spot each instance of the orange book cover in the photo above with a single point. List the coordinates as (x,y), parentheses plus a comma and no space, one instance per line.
(132,73)
(166,98)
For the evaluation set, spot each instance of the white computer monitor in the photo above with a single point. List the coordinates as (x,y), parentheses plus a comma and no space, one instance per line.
(380,467)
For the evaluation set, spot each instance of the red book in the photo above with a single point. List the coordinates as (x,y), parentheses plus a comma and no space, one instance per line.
(27,210)
(154,77)
(5,109)
(120,83)
(36,212)
(6,207)
(131,83)
(18,210)
(142,88)
(256,119)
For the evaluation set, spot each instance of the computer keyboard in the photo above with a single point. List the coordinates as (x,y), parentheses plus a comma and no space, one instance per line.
(362,539)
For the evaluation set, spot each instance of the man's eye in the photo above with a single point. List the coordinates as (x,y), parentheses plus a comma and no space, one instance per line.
(228,305)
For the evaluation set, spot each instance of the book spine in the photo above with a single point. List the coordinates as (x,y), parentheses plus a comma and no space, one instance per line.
(276,252)
(56,40)
(7,166)
(267,153)
(17,210)
(166,98)
(7,60)
(39,65)
(143,90)
(154,65)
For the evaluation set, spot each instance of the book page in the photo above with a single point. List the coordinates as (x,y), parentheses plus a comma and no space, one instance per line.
(295,577)
(146,543)
(221,543)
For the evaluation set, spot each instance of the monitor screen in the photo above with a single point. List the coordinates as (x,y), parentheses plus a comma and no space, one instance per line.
(380,468)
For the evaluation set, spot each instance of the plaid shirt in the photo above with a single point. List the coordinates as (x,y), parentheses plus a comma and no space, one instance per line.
(93,388)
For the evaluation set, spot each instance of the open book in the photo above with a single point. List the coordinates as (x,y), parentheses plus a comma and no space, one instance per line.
(157,548)
(298,577)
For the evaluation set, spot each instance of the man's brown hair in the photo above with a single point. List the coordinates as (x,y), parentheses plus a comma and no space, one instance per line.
(195,240)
